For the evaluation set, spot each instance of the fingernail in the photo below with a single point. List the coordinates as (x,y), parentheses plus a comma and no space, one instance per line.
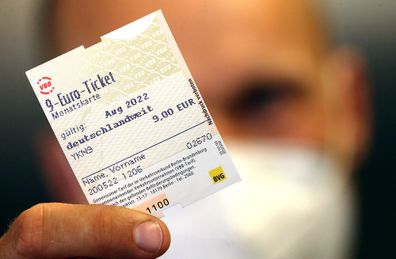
(148,236)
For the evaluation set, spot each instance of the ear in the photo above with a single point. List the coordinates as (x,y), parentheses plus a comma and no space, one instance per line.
(348,106)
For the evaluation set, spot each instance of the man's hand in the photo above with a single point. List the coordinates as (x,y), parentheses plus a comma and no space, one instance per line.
(55,230)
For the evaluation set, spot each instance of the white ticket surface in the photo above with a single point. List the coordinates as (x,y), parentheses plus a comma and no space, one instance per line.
(132,122)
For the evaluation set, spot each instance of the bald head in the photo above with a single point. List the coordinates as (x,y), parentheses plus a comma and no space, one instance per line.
(192,22)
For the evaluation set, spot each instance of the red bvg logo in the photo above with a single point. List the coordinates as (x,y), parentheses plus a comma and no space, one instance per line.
(45,85)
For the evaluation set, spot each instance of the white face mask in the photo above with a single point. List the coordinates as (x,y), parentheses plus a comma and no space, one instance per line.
(291,203)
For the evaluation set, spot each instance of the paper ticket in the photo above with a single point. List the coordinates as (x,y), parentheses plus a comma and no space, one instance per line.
(131,121)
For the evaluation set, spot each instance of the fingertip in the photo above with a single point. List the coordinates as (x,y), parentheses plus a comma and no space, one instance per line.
(152,236)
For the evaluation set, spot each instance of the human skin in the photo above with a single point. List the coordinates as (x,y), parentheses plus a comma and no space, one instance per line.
(266,69)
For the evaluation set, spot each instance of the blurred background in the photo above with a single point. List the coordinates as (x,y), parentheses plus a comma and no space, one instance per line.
(367,25)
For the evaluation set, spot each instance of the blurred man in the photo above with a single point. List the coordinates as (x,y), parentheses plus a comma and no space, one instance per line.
(292,109)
